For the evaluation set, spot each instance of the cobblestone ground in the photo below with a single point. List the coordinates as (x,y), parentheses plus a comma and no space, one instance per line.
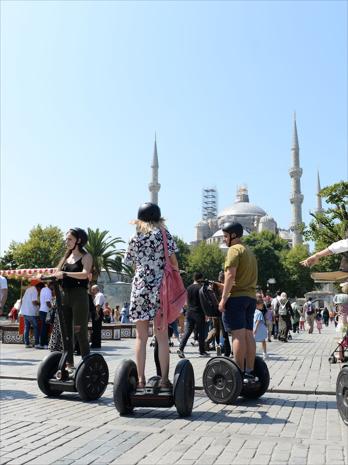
(280,428)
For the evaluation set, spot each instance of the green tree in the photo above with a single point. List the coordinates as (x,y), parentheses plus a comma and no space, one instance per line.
(299,279)
(183,259)
(331,225)
(207,259)
(102,247)
(268,249)
(44,248)
(7,262)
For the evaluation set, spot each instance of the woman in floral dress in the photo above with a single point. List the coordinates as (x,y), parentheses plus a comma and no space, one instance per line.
(146,254)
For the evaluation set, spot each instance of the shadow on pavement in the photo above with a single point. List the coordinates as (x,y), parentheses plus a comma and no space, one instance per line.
(12,395)
(9,361)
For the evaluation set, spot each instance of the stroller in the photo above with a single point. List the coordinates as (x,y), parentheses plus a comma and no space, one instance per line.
(341,352)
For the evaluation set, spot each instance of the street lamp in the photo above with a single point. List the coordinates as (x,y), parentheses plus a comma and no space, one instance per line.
(270,282)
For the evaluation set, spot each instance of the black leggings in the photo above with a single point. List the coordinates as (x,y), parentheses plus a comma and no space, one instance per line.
(75,311)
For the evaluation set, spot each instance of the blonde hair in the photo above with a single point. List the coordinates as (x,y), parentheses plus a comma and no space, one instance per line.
(146,227)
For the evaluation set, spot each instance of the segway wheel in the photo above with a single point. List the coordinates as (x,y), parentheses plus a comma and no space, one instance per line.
(125,383)
(92,377)
(254,391)
(222,380)
(184,388)
(47,369)
(342,393)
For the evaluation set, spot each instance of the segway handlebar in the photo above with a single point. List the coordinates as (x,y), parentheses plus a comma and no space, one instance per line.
(48,278)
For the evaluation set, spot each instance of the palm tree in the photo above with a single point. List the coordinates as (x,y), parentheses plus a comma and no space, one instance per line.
(105,256)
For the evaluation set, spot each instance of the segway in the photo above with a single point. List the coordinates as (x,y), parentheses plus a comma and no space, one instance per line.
(223,380)
(127,395)
(91,376)
(342,393)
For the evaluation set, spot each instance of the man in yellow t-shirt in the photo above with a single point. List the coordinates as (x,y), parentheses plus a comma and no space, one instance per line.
(238,301)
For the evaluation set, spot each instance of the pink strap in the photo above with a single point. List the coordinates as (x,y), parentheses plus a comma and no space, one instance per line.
(165,244)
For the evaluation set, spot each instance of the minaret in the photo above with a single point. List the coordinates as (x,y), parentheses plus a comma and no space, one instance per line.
(296,198)
(319,208)
(154,185)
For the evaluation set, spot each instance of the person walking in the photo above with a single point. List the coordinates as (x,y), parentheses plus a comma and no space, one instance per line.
(30,310)
(284,312)
(195,317)
(269,319)
(260,329)
(295,318)
(45,307)
(125,313)
(326,316)
(319,321)
(238,300)
(309,311)
(73,271)
(3,293)
(145,253)
(96,312)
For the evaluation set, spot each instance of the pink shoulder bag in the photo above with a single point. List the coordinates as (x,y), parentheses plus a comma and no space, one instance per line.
(172,292)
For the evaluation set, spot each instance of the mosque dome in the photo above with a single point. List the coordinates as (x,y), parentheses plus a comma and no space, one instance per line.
(242,207)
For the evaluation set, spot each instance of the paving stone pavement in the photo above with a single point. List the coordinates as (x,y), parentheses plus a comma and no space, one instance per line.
(285,427)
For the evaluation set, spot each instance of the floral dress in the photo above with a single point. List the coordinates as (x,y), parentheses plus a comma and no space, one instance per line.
(146,254)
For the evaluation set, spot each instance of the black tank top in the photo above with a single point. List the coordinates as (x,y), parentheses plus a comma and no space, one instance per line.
(68,282)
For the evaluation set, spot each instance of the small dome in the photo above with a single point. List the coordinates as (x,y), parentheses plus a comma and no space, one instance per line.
(267,219)
(284,234)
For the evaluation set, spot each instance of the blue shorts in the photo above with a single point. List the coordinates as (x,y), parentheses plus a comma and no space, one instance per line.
(239,313)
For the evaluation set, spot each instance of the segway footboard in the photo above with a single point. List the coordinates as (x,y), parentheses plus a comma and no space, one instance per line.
(152,396)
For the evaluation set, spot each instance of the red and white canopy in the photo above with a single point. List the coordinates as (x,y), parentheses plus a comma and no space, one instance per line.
(28,273)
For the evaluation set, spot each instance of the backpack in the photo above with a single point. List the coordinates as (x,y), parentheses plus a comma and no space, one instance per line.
(208,301)
(172,292)
(283,311)
(309,309)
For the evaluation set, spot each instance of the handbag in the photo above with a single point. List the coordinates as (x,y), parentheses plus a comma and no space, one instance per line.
(172,292)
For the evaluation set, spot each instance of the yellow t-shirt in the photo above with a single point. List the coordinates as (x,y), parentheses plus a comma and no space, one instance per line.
(241,257)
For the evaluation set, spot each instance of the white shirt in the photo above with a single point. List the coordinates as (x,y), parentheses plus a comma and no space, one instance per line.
(27,307)
(45,296)
(339,246)
(3,285)
(99,299)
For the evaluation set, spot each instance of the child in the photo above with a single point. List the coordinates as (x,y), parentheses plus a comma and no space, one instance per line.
(318,319)
(260,328)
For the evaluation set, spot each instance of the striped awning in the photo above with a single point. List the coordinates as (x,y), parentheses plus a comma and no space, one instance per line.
(28,273)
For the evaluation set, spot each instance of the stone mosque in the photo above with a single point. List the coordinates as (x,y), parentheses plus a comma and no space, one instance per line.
(251,216)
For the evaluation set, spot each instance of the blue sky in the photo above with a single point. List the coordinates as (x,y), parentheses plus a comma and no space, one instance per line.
(85,86)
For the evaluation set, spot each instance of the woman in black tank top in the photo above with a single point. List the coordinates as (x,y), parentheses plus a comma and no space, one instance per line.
(74,269)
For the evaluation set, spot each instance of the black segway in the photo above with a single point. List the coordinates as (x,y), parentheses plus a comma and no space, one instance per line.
(91,376)
(223,380)
(127,395)
(342,393)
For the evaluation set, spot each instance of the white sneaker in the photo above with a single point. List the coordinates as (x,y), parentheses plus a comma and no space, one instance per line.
(265,356)
(37,346)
